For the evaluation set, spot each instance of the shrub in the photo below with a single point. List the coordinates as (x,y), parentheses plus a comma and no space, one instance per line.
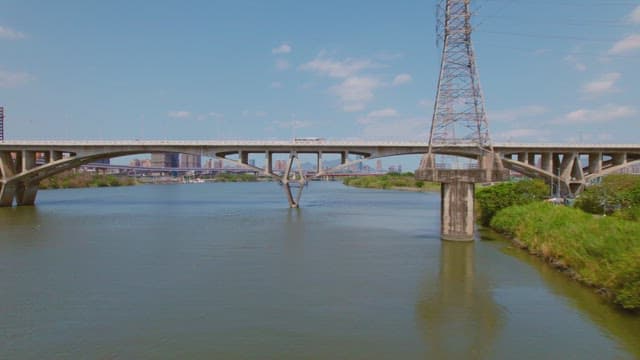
(494,198)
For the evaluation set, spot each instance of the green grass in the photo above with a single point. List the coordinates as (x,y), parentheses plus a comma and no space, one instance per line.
(391,181)
(603,252)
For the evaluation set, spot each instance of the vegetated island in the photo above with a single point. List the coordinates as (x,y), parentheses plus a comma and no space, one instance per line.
(596,242)
(72,180)
(391,181)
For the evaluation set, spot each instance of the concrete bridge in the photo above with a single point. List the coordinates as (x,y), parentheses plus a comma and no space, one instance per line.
(571,167)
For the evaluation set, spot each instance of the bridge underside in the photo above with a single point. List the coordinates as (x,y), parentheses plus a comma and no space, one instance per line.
(568,168)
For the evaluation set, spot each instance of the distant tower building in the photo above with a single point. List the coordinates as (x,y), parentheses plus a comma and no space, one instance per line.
(188,161)
(168,160)
(1,123)
(379,165)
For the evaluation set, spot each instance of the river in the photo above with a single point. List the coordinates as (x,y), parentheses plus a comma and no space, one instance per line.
(226,270)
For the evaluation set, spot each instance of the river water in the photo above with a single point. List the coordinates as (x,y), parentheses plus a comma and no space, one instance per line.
(227,271)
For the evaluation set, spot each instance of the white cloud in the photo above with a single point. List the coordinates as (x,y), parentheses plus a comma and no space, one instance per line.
(282,49)
(518,113)
(605,84)
(383,113)
(210,115)
(378,114)
(179,114)
(630,43)
(575,62)
(398,129)
(293,124)
(282,64)
(10,34)
(258,113)
(603,114)
(356,92)
(634,17)
(519,134)
(402,79)
(425,103)
(337,68)
(276,85)
(13,79)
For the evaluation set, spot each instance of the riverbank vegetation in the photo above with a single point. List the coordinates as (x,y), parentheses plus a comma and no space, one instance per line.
(491,199)
(602,252)
(228,177)
(617,195)
(71,180)
(392,181)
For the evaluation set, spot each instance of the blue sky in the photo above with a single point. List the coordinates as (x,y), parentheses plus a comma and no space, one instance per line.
(551,70)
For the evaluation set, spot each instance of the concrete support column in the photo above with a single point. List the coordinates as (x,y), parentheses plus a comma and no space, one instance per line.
(7,193)
(28,160)
(531,159)
(547,164)
(268,157)
(595,163)
(18,163)
(555,170)
(320,164)
(566,166)
(55,155)
(26,193)
(523,157)
(244,157)
(344,157)
(619,159)
(457,213)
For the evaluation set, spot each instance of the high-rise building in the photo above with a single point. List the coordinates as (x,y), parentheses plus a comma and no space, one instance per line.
(378,165)
(188,161)
(166,160)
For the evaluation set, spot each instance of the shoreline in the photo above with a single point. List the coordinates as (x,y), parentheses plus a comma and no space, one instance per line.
(601,254)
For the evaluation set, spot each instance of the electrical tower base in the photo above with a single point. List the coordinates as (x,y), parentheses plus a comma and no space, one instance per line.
(457,190)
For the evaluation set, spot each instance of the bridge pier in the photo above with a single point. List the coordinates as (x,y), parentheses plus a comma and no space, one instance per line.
(457,191)
(7,193)
(26,193)
(457,217)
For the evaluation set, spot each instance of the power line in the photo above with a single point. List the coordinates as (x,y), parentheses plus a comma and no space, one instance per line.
(552,37)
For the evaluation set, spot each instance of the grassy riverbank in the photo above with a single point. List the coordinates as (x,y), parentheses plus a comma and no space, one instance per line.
(71,180)
(393,181)
(602,252)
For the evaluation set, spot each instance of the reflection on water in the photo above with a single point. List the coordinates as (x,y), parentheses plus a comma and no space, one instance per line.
(610,319)
(228,271)
(456,312)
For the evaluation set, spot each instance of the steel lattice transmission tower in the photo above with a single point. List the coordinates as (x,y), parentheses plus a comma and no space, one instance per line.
(1,123)
(459,118)
(459,115)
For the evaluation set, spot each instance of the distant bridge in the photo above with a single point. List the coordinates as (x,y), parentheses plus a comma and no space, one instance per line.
(572,166)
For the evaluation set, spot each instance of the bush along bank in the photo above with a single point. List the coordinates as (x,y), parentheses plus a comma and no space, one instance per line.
(602,252)
(491,199)
(617,195)
(393,181)
(70,180)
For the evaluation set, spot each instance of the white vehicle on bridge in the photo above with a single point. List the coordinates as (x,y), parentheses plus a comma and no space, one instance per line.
(308,140)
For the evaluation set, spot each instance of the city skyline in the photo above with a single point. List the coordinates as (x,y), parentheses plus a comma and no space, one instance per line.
(356,70)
